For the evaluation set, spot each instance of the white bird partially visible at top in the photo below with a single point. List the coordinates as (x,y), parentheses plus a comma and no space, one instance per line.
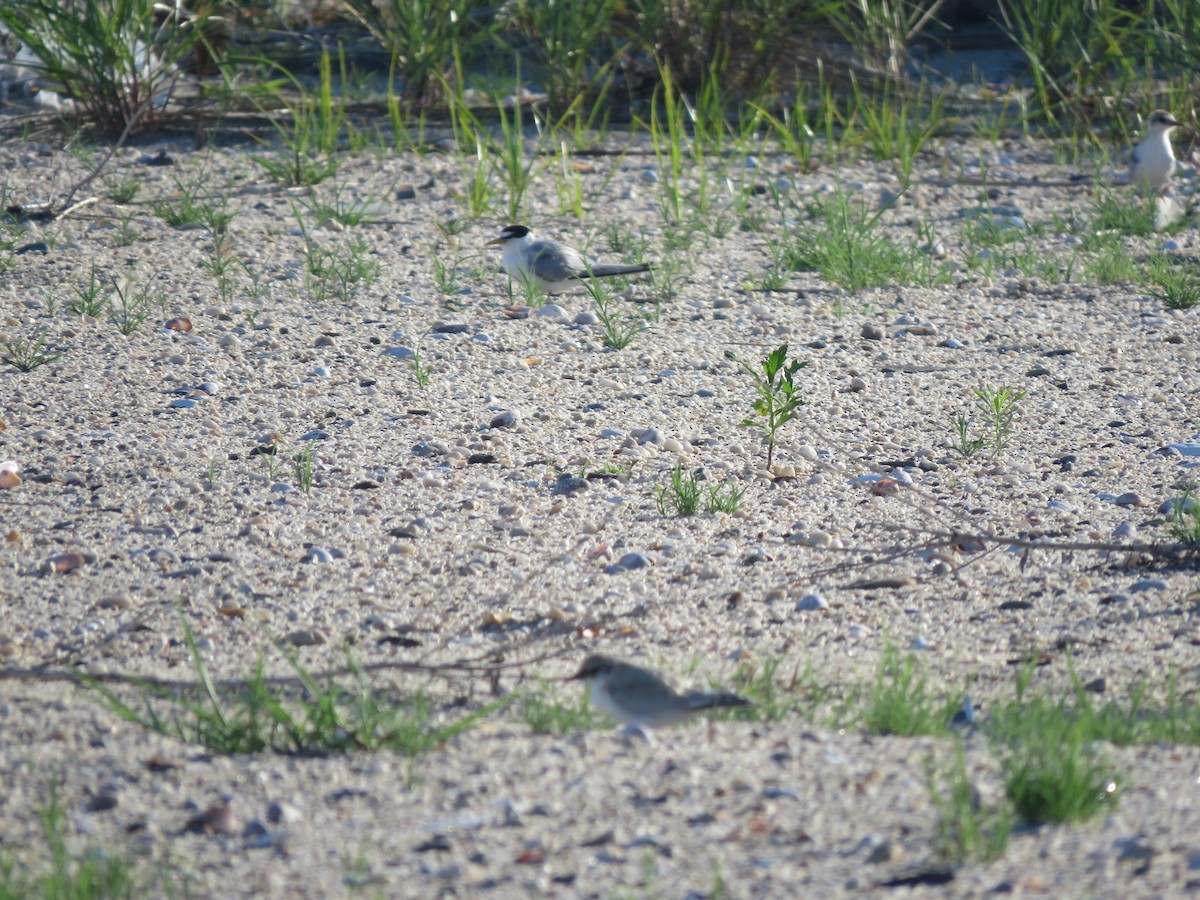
(1153,159)
(550,265)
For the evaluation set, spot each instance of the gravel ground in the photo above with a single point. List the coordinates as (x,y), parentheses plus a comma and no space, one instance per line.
(484,519)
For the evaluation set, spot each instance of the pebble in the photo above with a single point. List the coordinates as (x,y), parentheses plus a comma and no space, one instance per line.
(647,436)
(61,563)
(554,313)
(858,384)
(400,352)
(872,332)
(450,328)
(317,555)
(1130,498)
(1148,584)
(1178,505)
(811,602)
(631,561)
(182,403)
(8,474)
(505,419)
(305,637)
(587,317)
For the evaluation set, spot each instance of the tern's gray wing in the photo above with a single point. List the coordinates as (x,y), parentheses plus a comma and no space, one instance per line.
(552,261)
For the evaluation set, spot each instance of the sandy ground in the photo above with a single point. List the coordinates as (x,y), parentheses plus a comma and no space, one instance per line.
(439,531)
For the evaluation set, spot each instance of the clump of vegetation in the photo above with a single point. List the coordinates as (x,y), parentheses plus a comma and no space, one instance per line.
(778,399)
(117,59)
(687,492)
(25,356)
(998,410)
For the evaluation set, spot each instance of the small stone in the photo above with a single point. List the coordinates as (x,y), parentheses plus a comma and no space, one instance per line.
(282,813)
(182,323)
(554,313)
(102,802)
(647,436)
(587,317)
(858,384)
(811,602)
(400,352)
(1148,584)
(631,561)
(505,419)
(872,332)
(61,563)
(305,637)
(215,820)
(1130,498)
(182,403)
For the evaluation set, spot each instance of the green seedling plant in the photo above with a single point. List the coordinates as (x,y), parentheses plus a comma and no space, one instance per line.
(89,299)
(568,183)
(124,190)
(899,701)
(999,408)
(418,367)
(126,234)
(778,400)
(546,712)
(1183,521)
(345,211)
(962,441)
(1120,215)
(1178,286)
(25,356)
(129,304)
(687,492)
(303,461)
(513,163)
(844,244)
(1053,769)
(897,126)
(618,330)
(320,716)
(190,206)
(311,133)
(95,874)
(967,831)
